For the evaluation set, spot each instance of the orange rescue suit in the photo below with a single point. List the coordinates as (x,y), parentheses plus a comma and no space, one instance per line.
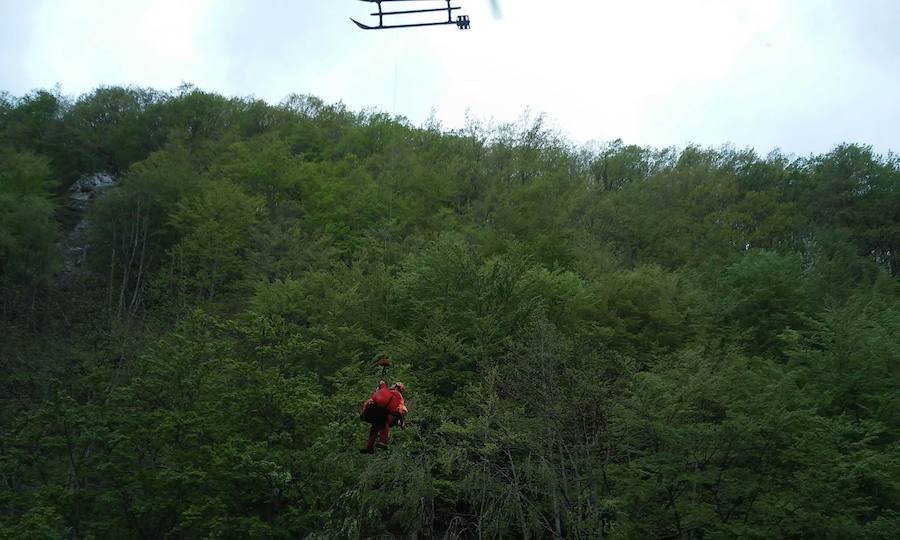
(396,405)
(383,396)
(385,409)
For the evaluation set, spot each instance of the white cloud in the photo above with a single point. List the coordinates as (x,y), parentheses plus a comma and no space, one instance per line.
(82,44)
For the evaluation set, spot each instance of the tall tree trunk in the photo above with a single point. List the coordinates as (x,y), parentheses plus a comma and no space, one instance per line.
(112,273)
(517,486)
(138,285)
(133,246)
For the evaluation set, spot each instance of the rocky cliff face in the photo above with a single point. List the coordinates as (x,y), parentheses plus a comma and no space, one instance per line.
(78,201)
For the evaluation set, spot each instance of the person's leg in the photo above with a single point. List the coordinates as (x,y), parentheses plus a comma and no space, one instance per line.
(386,430)
(377,419)
(370,443)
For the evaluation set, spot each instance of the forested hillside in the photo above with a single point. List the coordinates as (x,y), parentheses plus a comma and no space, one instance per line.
(598,342)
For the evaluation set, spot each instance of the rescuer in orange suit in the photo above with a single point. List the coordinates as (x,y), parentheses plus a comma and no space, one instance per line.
(383,410)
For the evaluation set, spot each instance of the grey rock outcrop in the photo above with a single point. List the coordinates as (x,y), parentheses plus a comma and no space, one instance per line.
(78,202)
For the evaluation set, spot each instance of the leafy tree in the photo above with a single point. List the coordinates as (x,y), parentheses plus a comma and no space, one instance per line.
(765,299)
(112,128)
(215,226)
(132,229)
(28,234)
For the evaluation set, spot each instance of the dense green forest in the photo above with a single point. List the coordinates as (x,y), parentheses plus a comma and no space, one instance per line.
(602,341)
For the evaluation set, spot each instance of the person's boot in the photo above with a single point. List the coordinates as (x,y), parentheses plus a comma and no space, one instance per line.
(367,451)
(381,445)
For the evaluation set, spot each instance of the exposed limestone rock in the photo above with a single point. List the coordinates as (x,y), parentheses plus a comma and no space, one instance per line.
(79,199)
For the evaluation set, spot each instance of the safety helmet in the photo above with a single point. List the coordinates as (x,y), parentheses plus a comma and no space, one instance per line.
(399,386)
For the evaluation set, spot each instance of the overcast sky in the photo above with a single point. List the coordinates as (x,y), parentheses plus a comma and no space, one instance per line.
(801,75)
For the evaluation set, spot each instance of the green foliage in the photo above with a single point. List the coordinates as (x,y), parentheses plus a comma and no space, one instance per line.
(598,342)
(214,228)
(32,121)
(28,233)
(112,127)
(764,299)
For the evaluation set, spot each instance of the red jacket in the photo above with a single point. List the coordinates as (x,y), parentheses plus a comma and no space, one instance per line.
(382,397)
(389,399)
(396,404)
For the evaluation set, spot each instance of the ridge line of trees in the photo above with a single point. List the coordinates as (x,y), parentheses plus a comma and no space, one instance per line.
(600,342)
